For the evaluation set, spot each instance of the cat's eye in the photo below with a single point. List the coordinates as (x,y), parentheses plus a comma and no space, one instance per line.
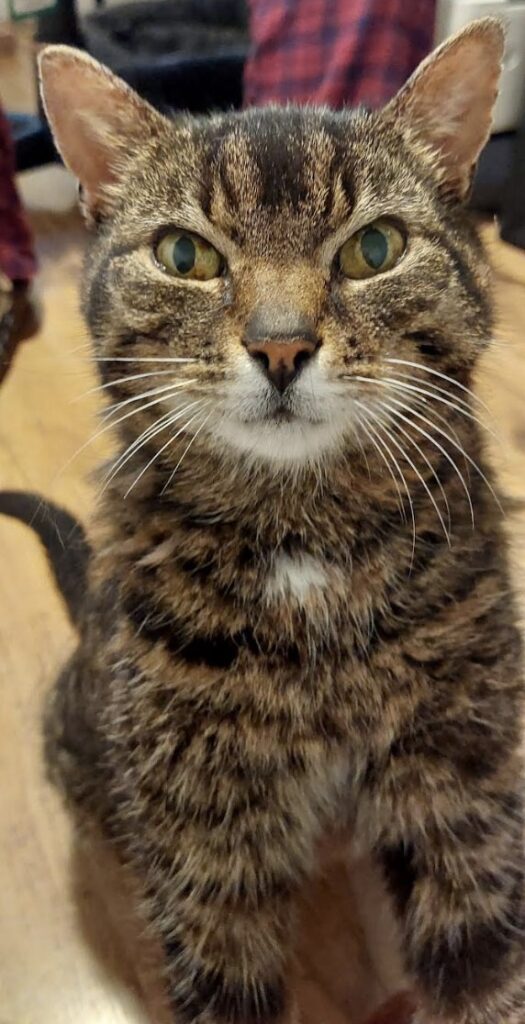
(372,250)
(186,255)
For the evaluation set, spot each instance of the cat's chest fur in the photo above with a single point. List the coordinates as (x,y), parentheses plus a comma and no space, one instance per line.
(289,600)
(274,581)
(251,576)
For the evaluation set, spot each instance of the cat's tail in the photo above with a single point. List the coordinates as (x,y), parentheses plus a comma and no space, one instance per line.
(64,540)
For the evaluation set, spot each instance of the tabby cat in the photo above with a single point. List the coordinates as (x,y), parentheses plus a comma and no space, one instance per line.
(298,615)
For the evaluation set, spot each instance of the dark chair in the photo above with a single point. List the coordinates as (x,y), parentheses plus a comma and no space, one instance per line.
(32,140)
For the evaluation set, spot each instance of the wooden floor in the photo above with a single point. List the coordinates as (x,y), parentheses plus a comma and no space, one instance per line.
(67,949)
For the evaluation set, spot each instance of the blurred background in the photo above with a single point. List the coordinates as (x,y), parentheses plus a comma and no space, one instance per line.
(62,955)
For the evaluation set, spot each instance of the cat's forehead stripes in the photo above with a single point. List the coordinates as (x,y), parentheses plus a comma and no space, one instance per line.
(275,165)
(230,180)
(277,182)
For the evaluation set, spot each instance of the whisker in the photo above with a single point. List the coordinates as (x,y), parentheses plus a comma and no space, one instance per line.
(428,463)
(453,405)
(419,475)
(434,387)
(363,452)
(132,412)
(186,450)
(438,416)
(434,442)
(423,403)
(465,454)
(165,390)
(162,423)
(443,376)
(459,447)
(104,430)
(374,443)
(392,384)
(365,457)
(144,359)
(122,380)
(424,483)
(408,409)
(368,414)
(137,443)
(160,451)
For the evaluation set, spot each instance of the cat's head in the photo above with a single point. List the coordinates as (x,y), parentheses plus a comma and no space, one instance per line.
(264,268)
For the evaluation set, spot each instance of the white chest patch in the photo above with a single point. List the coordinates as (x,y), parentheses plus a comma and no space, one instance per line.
(295,576)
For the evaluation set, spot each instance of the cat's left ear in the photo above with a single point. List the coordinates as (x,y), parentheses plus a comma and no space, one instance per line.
(448,101)
(97,121)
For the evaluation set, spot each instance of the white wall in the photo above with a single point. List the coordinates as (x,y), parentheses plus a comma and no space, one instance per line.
(452,14)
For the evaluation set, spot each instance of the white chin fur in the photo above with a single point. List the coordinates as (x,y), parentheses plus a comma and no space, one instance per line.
(297,442)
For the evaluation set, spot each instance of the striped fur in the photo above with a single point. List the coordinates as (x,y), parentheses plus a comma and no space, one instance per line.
(217,723)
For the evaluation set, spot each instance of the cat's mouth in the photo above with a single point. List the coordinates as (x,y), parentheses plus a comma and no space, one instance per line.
(282,414)
(286,409)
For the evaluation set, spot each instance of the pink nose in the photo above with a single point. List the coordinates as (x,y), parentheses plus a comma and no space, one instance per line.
(282,361)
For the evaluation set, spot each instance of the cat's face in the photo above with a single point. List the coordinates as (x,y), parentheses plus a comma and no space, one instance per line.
(283,196)
(286,259)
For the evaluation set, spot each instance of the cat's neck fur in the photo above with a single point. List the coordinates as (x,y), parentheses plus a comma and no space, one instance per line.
(214,489)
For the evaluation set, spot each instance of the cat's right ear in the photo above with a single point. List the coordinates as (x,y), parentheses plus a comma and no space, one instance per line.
(97,122)
(447,103)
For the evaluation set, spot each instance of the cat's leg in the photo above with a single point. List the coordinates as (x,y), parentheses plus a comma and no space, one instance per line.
(221,878)
(452,852)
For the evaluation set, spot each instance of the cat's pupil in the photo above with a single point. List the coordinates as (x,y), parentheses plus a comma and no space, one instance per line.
(184,254)
(374,247)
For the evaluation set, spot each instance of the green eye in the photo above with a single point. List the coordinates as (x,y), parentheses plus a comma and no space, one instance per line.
(372,250)
(185,255)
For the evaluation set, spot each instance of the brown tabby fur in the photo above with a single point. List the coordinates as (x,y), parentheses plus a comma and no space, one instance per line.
(217,732)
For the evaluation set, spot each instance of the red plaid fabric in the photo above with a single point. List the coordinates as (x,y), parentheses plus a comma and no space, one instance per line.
(17,259)
(335,52)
